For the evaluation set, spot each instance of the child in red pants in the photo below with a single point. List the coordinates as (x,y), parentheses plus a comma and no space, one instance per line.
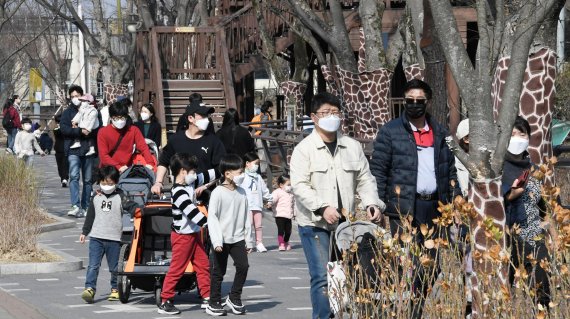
(185,236)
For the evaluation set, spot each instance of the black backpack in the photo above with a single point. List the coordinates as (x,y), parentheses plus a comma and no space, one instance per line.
(7,121)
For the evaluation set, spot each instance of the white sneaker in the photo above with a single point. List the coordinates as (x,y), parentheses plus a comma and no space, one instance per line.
(75,145)
(81,213)
(74,211)
(91,151)
(260,248)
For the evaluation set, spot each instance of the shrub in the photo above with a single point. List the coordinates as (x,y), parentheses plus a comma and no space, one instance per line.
(389,294)
(20,214)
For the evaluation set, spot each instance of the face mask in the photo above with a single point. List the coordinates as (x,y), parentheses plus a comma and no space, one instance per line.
(288,188)
(415,111)
(517,145)
(145,116)
(107,189)
(238,179)
(330,123)
(189,179)
(253,168)
(27,127)
(75,101)
(202,124)
(119,123)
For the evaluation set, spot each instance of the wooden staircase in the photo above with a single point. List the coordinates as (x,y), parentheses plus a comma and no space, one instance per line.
(175,96)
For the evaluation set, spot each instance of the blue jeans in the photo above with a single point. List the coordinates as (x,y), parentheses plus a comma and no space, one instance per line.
(83,165)
(98,248)
(11,138)
(315,243)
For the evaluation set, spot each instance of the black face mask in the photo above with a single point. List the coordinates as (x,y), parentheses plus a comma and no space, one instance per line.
(415,110)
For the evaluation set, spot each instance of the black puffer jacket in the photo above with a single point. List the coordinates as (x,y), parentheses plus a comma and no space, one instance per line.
(395,163)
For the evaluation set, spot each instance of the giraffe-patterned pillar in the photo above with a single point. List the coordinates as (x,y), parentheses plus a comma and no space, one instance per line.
(366,97)
(414,71)
(297,91)
(536,101)
(114,90)
(487,200)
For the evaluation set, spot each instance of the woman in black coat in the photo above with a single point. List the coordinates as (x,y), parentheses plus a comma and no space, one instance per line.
(236,138)
(148,124)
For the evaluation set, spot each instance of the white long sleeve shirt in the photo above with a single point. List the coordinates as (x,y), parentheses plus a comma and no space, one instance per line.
(256,191)
(228,218)
(25,144)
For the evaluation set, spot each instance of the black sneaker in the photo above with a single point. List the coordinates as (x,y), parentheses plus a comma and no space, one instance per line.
(168,308)
(236,306)
(216,309)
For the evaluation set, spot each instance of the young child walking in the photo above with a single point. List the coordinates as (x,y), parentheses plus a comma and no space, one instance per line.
(103,224)
(229,225)
(26,143)
(283,210)
(185,239)
(257,194)
(87,118)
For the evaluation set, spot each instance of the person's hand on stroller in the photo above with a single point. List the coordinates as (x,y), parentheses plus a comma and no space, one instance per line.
(156,188)
(123,168)
(331,215)
(82,239)
(149,167)
(218,249)
(375,214)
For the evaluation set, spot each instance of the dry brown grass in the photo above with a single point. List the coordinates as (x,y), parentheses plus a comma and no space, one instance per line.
(20,214)
(447,298)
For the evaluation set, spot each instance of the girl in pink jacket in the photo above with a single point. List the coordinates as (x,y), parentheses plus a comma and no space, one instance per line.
(283,210)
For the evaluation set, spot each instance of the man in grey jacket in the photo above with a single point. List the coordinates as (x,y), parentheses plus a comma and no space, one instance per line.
(327,170)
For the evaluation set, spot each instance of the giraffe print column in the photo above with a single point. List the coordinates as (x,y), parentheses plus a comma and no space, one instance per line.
(536,102)
(487,200)
(297,91)
(114,90)
(414,71)
(366,97)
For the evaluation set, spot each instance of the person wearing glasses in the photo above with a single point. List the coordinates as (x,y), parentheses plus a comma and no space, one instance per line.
(327,170)
(115,142)
(414,169)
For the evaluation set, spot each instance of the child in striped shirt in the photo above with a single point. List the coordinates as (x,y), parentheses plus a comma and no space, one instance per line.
(187,245)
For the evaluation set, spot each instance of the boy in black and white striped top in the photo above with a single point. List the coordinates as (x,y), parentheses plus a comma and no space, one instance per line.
(185,236)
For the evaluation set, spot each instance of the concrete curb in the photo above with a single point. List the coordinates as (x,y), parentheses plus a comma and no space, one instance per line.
(12,308)
(69,263)
(61,223)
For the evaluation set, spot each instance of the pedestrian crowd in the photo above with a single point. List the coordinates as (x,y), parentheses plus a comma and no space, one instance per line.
(411,170)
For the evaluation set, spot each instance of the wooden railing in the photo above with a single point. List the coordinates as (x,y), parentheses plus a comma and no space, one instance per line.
(188,53)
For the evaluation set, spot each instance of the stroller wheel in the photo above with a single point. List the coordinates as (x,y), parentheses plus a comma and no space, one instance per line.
(123,282)
(157,297)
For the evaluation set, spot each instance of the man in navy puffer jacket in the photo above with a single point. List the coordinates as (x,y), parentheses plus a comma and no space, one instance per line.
(414,168)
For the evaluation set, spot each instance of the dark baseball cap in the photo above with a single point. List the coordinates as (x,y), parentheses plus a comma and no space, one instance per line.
(199,108)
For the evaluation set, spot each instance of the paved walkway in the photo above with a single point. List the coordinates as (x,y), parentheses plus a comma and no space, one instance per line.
(277,285)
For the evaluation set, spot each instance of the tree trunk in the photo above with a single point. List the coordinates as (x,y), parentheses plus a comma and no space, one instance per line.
(371,12)
(489,260)
(435,77)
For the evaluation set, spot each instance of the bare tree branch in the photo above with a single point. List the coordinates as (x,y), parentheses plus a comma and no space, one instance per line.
(531,19)
(455,53)
(304,13)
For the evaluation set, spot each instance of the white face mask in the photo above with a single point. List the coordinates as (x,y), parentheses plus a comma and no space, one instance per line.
(145,116)
(330,123)
(238,179)
(517,145)
(288,188)
(107,189)
(202,124)
(190,178)
(253,168)
(119,123)
(27,127)
(75,101)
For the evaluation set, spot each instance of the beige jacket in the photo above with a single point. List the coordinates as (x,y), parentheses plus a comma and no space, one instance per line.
(315,173)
